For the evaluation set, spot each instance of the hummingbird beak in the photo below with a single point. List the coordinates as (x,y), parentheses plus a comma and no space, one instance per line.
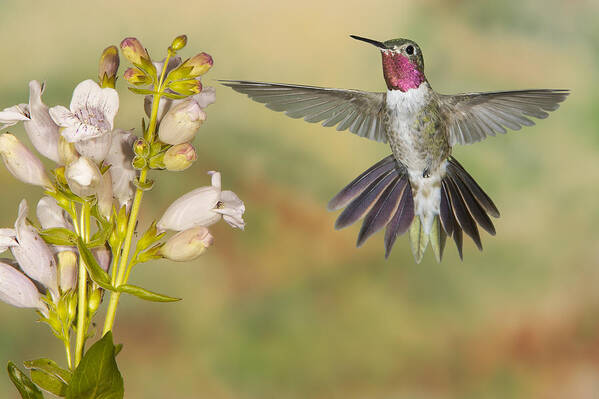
(373,42)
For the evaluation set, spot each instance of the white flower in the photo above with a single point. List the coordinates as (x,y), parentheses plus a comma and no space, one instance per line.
(119,158)
(83,177)
(22,163)
(206,97)
(13,115)
(50,215)
(181,122)
(104,195)
(95,149)
(187,245)
(32,253)
(91,113)
(204,206)
(17,290)
(40,128)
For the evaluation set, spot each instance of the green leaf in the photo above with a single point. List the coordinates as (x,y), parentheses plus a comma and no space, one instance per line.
(117,349)
(145,294)
(49,366)
(150,254)
(59,236)
(25,386)
(97,274)
(97,376)
(174,96)
(49,382)
(141,91)
(99,238)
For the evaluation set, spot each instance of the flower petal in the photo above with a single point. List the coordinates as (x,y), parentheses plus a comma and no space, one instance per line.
(32,253)
(88,95)
(232,209)
(50,215)
(21,162)
(41,129)
(17,290)
(11,116)
(196,208)
(7,239)
(95,149)
(119,158)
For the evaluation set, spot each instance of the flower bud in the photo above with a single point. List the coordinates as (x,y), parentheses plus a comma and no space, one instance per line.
(104,195)
(181,122)
(186,87)
(66,151)
(137,77)
(67,270)
(179,157)
(95,299)
(200,64)
(179,42)
(109,65)
(187,245)
(17,290)
(121,223)
(141,147)
(22,163)
(134,51)
(83,177)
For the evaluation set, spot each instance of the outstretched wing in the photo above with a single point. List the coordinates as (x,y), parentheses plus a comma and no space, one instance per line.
(359,111)
(475,116)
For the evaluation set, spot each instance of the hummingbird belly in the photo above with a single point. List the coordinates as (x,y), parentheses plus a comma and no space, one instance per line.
(418,141)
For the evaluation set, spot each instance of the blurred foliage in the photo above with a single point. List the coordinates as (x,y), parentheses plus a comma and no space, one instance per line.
(290,308)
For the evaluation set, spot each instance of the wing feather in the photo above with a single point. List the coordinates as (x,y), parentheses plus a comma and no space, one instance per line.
(359,111)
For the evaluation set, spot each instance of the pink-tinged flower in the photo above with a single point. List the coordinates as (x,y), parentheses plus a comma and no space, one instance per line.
(204,206)
(22,163)
(187,245)
(7,239)
(109,65)
(17,290)
(33,254)
(40,128)
(119,158)
(13,115)
(181,122)
(179,157)
(83,177)
(200,64)
(67,270)
(91,113)
(104,195)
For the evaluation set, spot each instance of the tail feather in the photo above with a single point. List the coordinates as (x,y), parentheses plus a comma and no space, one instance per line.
(384,195)
(361,183)
(365,201)
(383,210)
(461,213)
(401,220)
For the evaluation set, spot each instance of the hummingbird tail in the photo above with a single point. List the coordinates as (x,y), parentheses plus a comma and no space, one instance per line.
(384,196)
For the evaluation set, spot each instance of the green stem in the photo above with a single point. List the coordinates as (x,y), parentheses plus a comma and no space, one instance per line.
(67,347)
(122,272)
(82,286)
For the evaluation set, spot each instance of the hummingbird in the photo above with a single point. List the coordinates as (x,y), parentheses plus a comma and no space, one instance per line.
(420,188)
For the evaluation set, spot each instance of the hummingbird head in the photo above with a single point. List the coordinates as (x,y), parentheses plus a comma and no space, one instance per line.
(403,65)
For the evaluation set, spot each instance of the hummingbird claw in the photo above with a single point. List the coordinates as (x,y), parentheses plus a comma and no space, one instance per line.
(426,173)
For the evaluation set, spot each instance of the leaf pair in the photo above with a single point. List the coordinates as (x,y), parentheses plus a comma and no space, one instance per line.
(96,377)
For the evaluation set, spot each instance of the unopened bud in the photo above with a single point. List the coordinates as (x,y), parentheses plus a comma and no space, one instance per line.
(72,306)
(187,245)
(95,299)
(179,157)
(179,42)
(187,87)
(22,163)
(121,223)
(134,51)
(181,122)
(137,77)
(141,147)
(67,270)
(66,151)
(200,64)
(109,65)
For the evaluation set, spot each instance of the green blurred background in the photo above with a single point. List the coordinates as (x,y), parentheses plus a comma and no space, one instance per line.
(290,308)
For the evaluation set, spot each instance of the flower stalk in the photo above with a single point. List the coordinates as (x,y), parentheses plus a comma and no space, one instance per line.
(82,286)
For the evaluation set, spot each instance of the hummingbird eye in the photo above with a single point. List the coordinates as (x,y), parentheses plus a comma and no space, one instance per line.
(410,50)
